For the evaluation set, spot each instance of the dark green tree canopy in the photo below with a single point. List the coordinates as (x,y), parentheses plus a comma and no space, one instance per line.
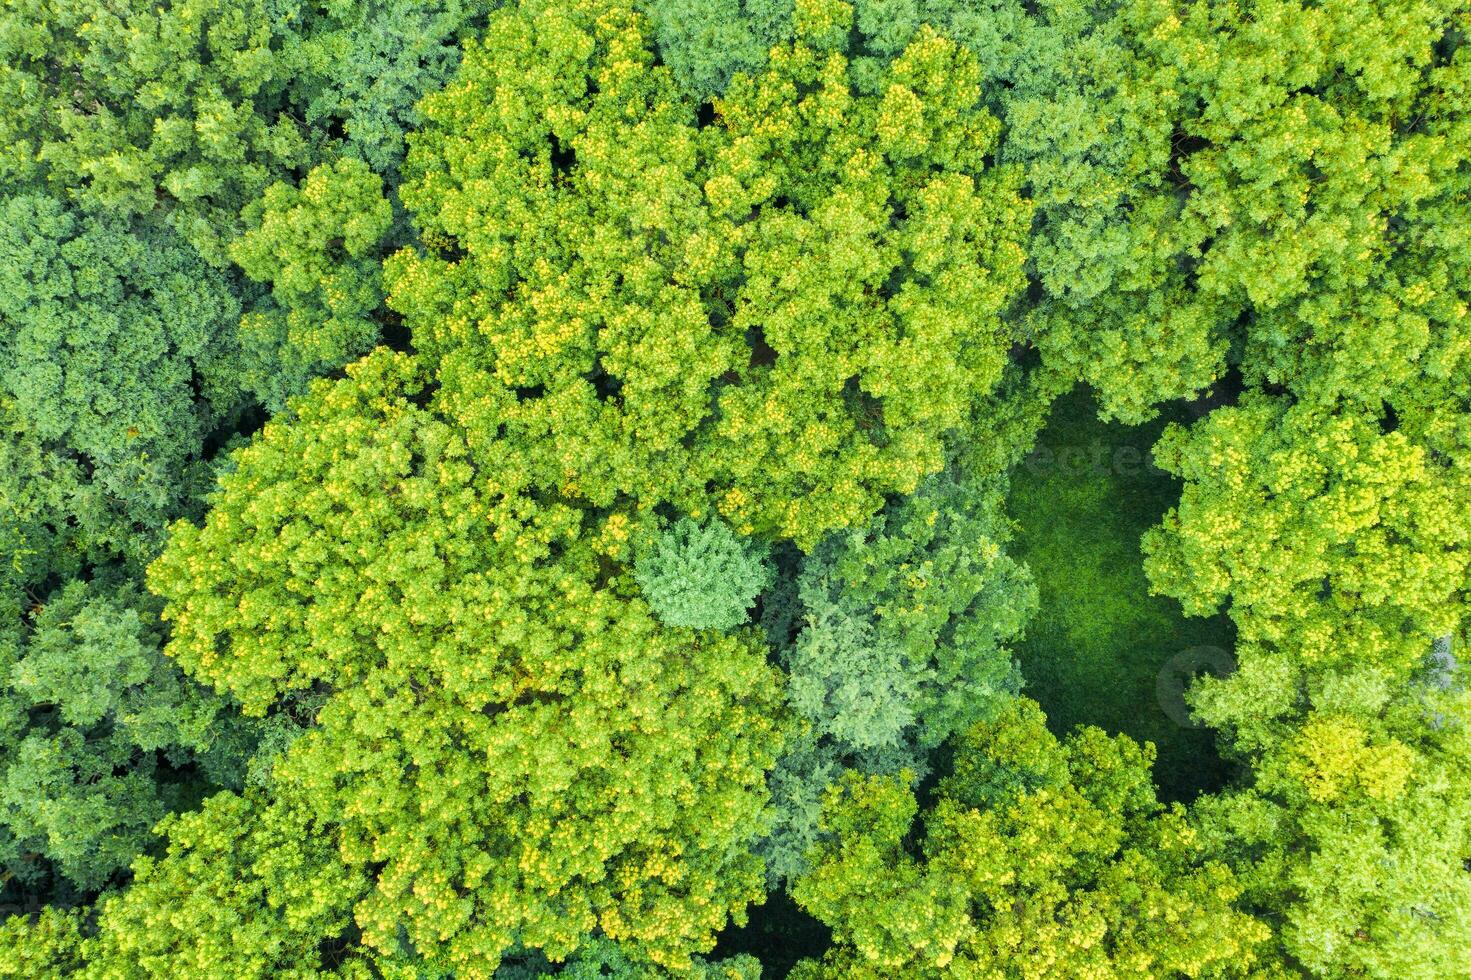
(117,352)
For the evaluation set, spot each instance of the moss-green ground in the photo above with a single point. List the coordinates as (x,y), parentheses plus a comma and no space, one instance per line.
(1095,649)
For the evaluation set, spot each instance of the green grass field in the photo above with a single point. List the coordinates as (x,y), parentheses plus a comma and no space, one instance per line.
(1094,652)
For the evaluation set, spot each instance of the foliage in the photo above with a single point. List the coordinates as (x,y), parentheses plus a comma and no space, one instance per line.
(1329,535)
(92,712)
(775,317)
(365,66)
(1219,174)
(121,105)
(133,135)
(1286,188)
(924,598)
(201,104)
(1037,858)
(1342,550)
(514,755)
(706,42)
(37,483)
(116,364)
(1332,229)
(702,576)
(902,644)
(704,303)
(108,333)
(1090,119)
(1005,425)
(317,248)
(1352,837)
(601,958)
(90,656)
(246,889)
(49,946)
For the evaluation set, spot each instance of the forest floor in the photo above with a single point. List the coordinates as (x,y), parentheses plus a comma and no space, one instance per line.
(1101,650)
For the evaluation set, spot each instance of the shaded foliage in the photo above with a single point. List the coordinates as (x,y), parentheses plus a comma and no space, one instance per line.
(1341,553)
(115,363)
(138,140)
(317,247)
(95,721)
(1100,645)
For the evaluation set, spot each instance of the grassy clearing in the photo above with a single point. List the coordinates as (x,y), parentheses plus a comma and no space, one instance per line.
(1095,651)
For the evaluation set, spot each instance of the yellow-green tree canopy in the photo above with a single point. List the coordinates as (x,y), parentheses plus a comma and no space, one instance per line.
(776,315)
(514,750)
(191,108)
(1324,532)
(1037,858)
(1289,191)
(317,246)
(132,136)
(1342,552)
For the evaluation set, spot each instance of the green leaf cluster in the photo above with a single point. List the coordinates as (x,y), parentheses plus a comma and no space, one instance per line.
(775,317)
(1342,552)
(115,364)
(1035,858)
(317,248)
(140,142)
(94,724)
(513,753)
(901,644)
(705,577)
(190,109)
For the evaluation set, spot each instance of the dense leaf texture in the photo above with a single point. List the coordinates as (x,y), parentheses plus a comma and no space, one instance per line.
(116,355)
(1209,175)
(1310,211)
(193,108)
(1036,859)
(706,576)
(775,316)
(92,713)
(663,558)
(317,247)
(900,643)
(115,365)
(136,140)
(1343,553)
(519,754)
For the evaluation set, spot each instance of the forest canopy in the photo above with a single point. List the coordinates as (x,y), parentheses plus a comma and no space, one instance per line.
(735,488)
